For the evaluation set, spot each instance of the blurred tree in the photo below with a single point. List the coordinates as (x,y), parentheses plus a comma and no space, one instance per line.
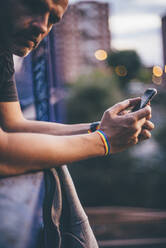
(145,75)
(119,179)
(125,64)
(160,137)
(91,95)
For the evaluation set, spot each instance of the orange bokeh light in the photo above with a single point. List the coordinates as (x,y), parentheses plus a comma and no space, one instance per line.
(101,55)
(157,71)
(121,70)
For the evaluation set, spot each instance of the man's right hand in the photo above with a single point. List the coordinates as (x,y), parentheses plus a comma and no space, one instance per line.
(123,130)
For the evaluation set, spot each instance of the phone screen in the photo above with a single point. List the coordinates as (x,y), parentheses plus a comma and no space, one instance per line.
(147,96)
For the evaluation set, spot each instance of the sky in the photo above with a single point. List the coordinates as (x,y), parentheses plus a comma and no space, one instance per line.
(136,24)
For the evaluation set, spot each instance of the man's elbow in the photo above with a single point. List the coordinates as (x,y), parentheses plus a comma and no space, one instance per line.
(7,166)
(14,126)
(3,153)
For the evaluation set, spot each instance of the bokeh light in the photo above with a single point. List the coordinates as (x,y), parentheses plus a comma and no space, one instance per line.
(101,55)
(121,70)
(156,80)
(157,71)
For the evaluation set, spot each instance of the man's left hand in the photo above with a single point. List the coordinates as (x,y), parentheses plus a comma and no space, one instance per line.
(146,130)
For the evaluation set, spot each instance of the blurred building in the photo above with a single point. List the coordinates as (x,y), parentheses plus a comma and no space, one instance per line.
(164,46)
(83,31)
(164,37)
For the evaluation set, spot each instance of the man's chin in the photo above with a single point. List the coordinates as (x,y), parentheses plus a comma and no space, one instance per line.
(22,52)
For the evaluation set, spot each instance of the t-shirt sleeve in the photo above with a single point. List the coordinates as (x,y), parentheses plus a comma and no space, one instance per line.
(8,91)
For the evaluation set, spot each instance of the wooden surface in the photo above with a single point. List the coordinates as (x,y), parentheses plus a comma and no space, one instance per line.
(115,223)
(134,243)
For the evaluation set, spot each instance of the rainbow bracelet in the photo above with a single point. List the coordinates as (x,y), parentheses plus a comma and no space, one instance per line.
(106,143)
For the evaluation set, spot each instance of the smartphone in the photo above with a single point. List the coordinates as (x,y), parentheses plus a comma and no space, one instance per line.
(147,96)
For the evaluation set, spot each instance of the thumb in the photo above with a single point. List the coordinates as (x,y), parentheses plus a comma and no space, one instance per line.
(121,106)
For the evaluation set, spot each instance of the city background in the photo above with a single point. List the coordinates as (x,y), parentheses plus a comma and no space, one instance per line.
(103,52)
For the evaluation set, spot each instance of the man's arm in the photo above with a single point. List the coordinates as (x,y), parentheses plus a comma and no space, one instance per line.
(12,120)
(22,152)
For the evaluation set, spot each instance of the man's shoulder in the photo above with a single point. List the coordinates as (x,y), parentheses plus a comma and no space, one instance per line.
(6,65)
(5,52)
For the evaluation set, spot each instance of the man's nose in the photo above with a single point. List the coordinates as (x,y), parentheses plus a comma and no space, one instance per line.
(41,23)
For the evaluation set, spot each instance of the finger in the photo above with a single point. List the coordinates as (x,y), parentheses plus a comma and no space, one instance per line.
(142,113)
(149,117)
(141,122)
(119,107)
(148,125)
(133,141)
(134,101)
(124,112)
(145,134)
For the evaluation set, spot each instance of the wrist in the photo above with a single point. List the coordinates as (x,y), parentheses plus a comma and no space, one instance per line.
(94,126)
(97,145)
(105,141)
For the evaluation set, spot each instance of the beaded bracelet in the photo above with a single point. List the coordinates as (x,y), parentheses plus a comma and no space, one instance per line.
(94,126)
(106,143)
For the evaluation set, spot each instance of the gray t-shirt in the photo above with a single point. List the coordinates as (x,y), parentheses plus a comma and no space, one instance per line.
(8,91)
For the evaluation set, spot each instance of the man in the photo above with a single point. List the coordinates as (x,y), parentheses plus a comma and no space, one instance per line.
(30,145)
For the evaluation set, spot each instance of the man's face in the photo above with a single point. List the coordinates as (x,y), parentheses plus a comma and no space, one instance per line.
(24,23)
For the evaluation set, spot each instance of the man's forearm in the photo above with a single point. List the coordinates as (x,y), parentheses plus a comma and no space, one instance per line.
(23,152)
(49,128)
(23,148)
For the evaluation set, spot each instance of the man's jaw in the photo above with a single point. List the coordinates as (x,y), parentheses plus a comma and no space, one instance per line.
(23,43)
(23,50)
(21,53)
